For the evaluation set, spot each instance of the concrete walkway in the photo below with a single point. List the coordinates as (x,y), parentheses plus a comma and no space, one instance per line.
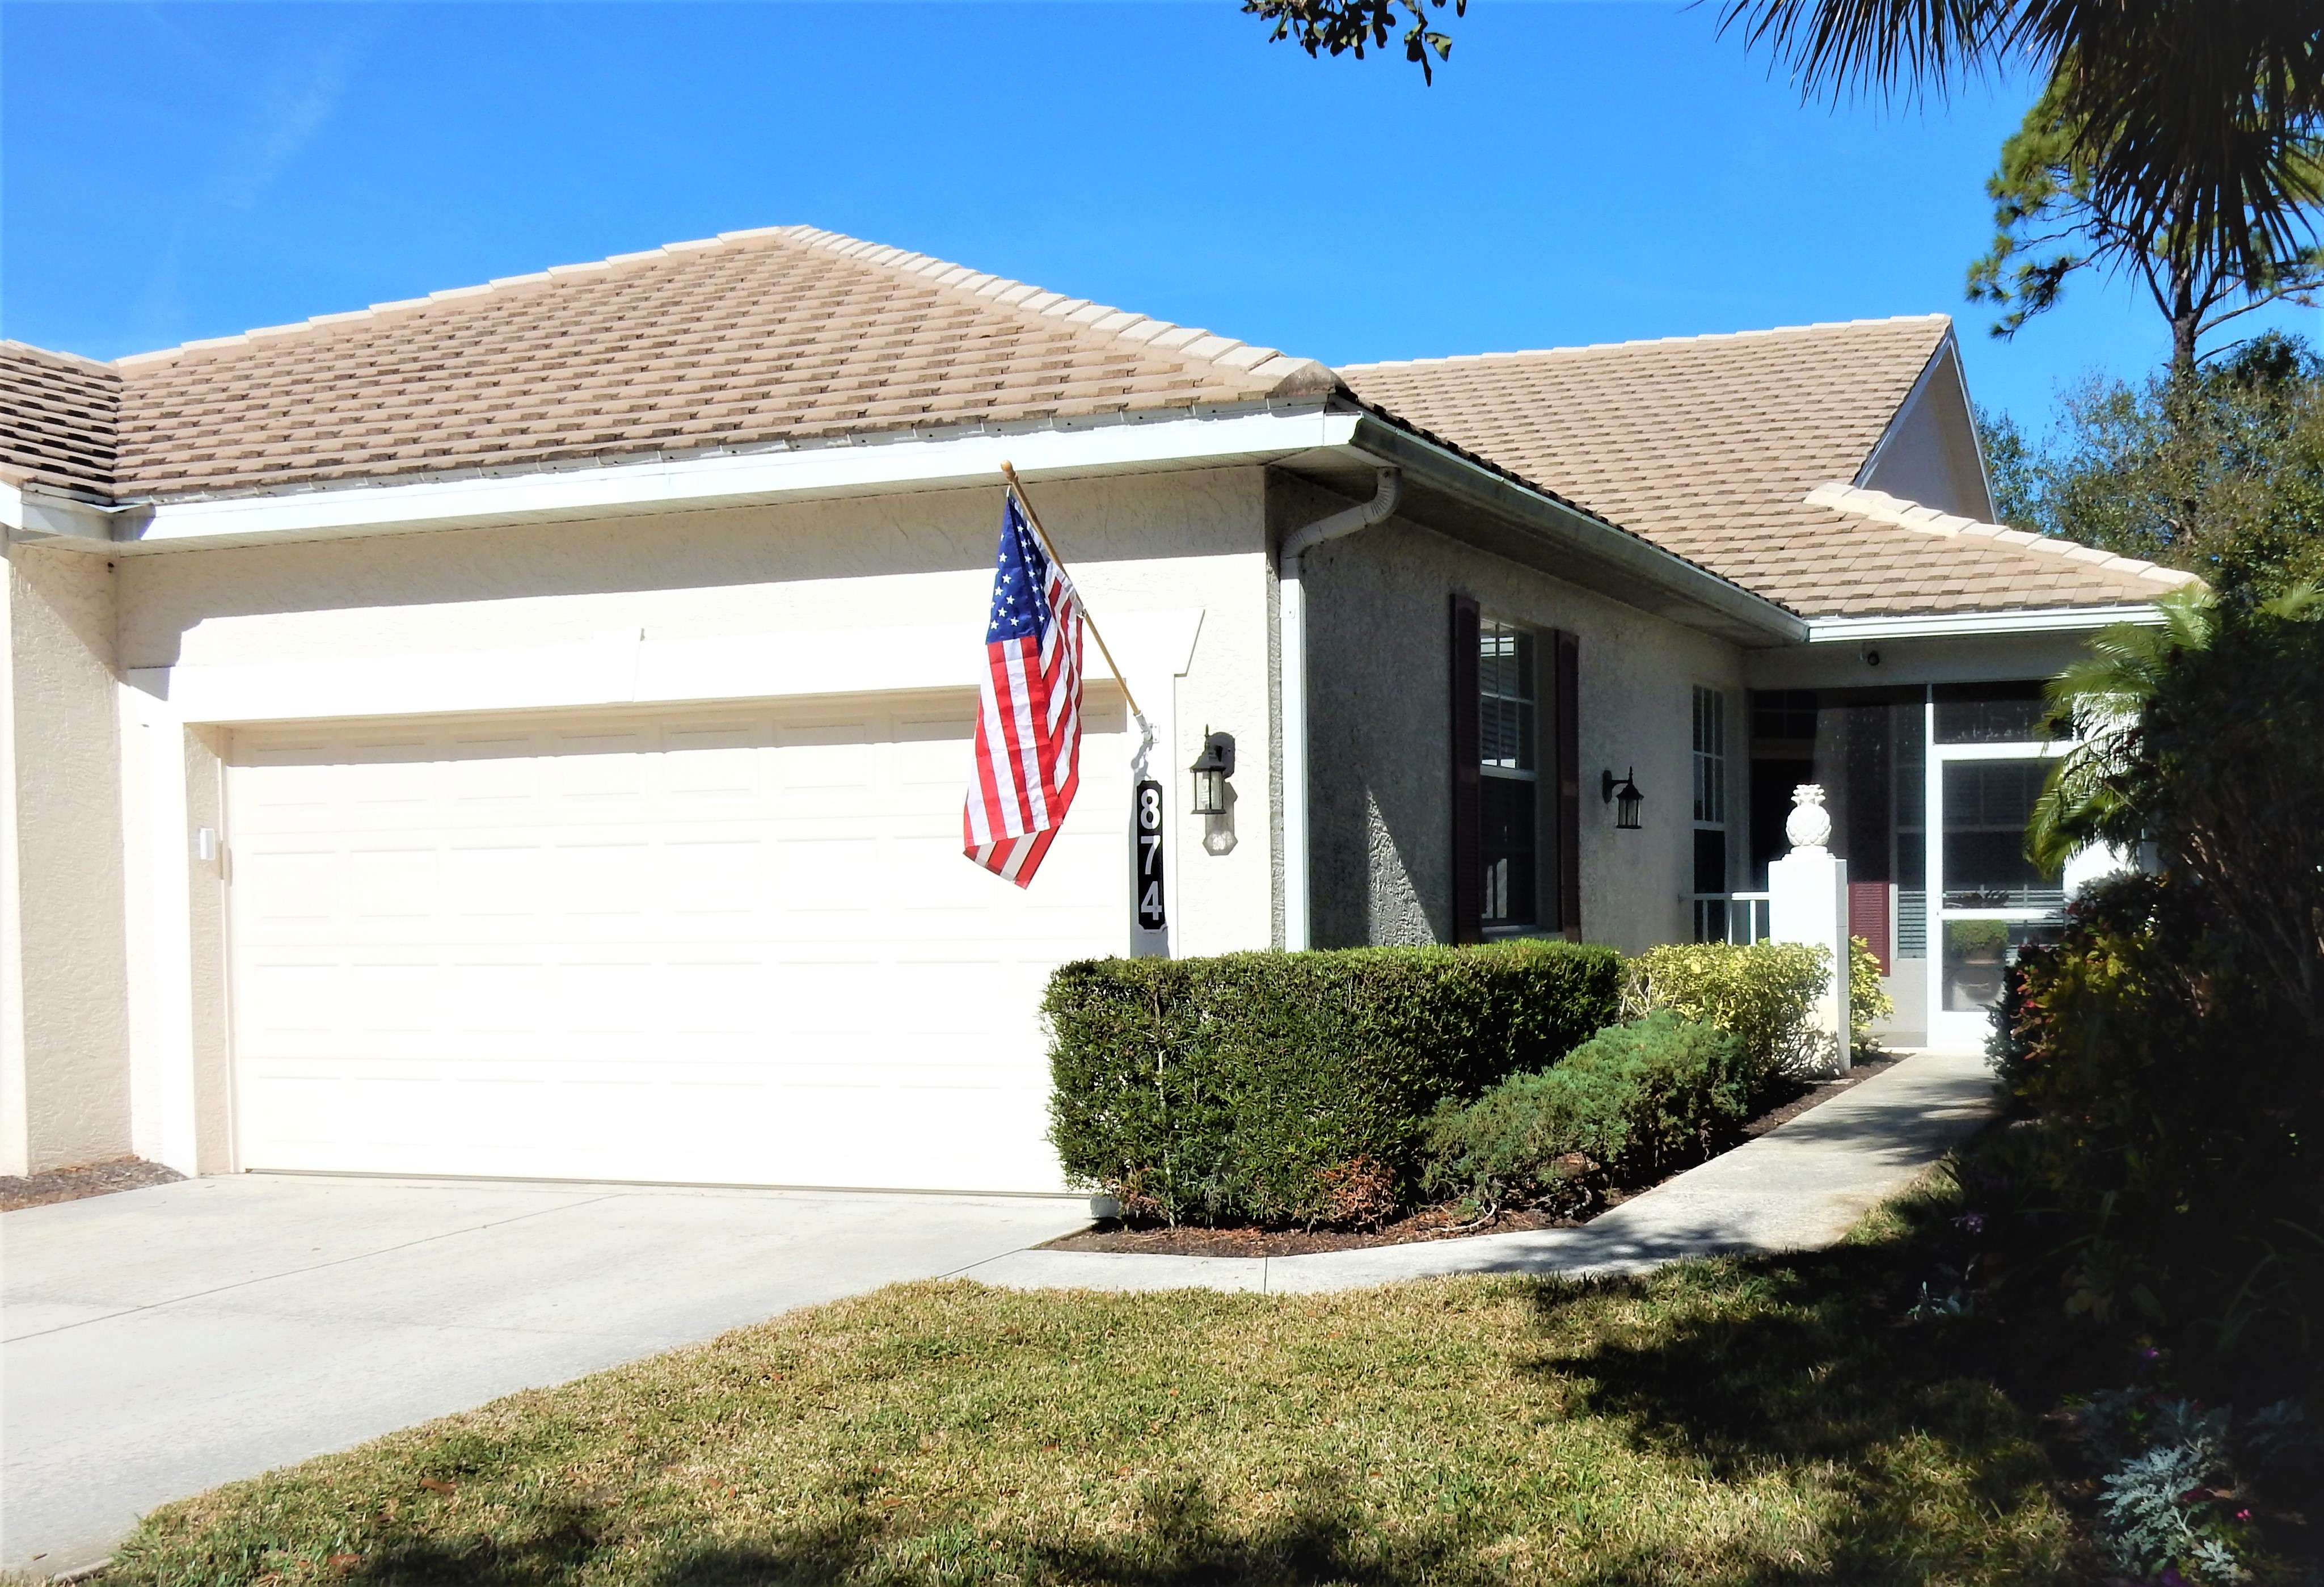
(1801,1186)
(160,1342)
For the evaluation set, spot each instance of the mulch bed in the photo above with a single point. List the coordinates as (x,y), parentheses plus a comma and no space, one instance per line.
(1437,1222)
(38,1190)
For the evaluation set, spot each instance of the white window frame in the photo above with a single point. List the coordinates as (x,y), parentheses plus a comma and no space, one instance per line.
(1949,1027)
(1708,772)
(1496,922)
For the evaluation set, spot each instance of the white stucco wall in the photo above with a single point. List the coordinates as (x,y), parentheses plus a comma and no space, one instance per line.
(1379,606)
(64,1068)
(708,605)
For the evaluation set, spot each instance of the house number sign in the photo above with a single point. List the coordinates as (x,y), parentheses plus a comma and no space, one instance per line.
(1146,857)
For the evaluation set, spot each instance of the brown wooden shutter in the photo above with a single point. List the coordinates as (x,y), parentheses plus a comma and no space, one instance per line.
(1568,697)
(1468,864)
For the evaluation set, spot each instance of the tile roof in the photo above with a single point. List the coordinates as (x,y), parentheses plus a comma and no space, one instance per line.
(1823,561)
(57,419)
(744,340)
(1710,446)
(1721,449)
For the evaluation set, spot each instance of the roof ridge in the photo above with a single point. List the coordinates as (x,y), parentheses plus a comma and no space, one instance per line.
(1883,508)
(1288,371)
(1721,335)
(79,361)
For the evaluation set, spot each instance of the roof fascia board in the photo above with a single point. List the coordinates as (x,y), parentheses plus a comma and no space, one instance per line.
(1588,550)
(34,518)
(863,466)
(1945,624)
(1976,434)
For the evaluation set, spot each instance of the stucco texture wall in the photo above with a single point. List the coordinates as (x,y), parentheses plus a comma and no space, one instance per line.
(1192,542)
(1380,615)
(71,978)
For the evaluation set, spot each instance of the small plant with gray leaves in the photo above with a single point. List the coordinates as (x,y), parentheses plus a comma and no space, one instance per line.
(2174,1502)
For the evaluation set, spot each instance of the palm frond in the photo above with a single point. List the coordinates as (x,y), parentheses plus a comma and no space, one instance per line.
(1885,44)
(2100,701)
(2194,117)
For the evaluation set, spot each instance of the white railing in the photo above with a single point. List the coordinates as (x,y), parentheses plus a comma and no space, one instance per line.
(1731,916)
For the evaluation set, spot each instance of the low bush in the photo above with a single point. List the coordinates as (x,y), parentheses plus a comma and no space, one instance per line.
(1629,1105)
(1764,995)
(1296,1088)
(1867,1004)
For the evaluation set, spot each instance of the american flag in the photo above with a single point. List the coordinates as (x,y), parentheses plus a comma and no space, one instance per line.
(1028,728)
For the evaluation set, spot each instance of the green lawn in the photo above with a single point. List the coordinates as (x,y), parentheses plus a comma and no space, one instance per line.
(1733,1421)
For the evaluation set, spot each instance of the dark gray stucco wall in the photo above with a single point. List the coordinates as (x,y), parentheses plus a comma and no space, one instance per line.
(1379,715)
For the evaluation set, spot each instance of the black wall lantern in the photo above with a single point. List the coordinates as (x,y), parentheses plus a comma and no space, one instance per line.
(1212,769)
(1625,798)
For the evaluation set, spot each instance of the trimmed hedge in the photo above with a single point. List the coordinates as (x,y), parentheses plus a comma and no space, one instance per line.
(1629,1105)
(1296,1088)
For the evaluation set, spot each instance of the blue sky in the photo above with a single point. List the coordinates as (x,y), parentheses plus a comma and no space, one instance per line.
(1580,172)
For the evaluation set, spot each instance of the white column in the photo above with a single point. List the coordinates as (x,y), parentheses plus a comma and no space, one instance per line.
(15,1136)
(1807,901)
(1292,712)
(158,839)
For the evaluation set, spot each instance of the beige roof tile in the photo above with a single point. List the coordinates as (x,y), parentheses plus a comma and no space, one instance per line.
(752,338)
(1711,445)
(59,416)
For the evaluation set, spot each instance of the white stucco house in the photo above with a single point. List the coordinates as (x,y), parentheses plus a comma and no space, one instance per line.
(522,730)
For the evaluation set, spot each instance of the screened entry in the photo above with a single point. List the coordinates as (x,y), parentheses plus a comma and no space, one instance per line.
(1929,788)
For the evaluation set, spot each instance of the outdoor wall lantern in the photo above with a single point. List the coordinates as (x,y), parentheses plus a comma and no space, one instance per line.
(1625,798)
(1212,769)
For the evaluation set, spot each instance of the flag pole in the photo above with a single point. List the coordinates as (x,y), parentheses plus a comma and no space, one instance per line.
(1017,487)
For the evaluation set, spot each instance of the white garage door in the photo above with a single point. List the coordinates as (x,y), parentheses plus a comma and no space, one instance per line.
(719,947)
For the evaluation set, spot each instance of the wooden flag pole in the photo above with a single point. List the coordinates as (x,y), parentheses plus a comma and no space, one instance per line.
(1017,487)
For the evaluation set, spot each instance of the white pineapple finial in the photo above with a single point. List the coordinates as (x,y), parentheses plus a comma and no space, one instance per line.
(1809,826)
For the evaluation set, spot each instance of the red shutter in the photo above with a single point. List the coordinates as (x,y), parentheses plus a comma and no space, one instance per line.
(1871,915)
(1467,874)
(1569,782)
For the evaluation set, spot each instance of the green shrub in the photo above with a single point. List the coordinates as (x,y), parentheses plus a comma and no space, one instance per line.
(1631,1103)
(1867,1005)
(2169,1047)
(2172,1166)
(1296,1088)
(1764,995)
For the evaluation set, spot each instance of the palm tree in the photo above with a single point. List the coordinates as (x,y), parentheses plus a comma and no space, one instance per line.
(2097,791)
(2192,116)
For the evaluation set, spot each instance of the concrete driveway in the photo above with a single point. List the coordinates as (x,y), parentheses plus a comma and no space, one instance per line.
(160,1342)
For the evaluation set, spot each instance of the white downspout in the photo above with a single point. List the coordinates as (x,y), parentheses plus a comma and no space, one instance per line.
(1292,604)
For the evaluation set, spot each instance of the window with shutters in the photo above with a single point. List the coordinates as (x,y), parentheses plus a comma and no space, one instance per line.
(1509,789)
(1517,778)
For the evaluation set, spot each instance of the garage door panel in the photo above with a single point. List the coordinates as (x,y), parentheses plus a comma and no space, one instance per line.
(721,946)
(496,882)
